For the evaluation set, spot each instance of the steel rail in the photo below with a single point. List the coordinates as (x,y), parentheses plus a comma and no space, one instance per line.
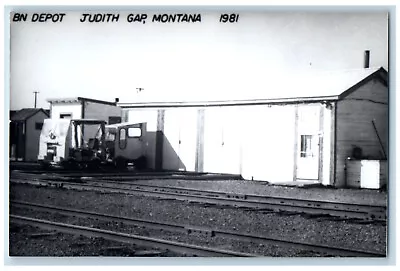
(316,209)
(125,175)
(365,211)
(323,204)
(87,177)
(128,238)
(345,210)
(331,250)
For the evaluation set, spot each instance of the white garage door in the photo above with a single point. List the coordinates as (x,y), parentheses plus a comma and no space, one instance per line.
(180,135)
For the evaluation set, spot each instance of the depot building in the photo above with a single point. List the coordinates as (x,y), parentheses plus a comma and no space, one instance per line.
(334,118)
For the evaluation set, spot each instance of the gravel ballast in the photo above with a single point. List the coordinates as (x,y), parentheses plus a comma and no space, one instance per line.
(312,192)
(370,237)
(26,240)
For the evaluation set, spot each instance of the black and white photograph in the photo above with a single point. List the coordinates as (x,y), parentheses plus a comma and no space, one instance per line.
(175,132)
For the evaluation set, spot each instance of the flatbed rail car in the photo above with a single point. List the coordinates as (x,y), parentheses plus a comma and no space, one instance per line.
(81,143)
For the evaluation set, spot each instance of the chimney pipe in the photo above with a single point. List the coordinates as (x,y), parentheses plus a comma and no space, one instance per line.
(366,59)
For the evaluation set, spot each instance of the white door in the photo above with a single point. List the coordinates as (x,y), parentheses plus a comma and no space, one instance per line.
(188,138)
(222,140)
(308,142)
(171,145)
(268,143)
(180,131)
(213,140)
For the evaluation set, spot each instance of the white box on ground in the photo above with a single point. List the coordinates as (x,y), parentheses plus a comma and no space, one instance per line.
(370,174)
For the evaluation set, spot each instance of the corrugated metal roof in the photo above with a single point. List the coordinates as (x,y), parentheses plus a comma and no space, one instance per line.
(63,100)
(78,100)
(25,114)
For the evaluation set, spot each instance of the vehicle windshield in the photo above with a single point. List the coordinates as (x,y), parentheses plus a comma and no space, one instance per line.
(86,133)
(110,136)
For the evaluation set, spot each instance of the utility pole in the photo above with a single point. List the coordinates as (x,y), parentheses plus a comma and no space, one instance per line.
(36,92)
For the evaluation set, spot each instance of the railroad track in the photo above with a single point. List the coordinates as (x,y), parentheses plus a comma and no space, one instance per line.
(184,249)
(128,175)
(371,212)
(173,246)
(251,202)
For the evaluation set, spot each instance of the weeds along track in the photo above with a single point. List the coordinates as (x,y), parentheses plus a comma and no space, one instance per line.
(178,247)
(358,212)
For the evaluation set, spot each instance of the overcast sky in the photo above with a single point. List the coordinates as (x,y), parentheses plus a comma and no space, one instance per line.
(186,61)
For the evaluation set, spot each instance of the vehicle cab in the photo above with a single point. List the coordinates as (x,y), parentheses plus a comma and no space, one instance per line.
(126,143)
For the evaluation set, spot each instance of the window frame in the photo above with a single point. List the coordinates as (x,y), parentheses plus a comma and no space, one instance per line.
(65,115)
(135,128)
(38,126)
(109,135)
(306,150)
(122,142)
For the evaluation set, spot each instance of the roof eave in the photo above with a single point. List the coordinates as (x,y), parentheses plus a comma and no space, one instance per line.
(380,74)
(280,101)
(63,100)
(31,115)
(79,100)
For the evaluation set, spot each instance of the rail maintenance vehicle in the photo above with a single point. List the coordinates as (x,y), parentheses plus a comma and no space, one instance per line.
(90,143)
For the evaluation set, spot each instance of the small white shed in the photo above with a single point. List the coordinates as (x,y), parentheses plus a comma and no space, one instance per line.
(85,108)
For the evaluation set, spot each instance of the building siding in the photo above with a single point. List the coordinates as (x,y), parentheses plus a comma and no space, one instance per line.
(32,136)
(257,142)
(355,114)
(75,109)
(101,111)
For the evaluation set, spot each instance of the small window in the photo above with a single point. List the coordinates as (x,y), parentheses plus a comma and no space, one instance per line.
(134,132)
(122,134)
(305,147)
(65,116)
(114,119)
(122,138)
(38,125)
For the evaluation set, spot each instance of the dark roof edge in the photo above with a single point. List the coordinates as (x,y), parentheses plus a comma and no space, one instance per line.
(381,74)
(96,101)
(34,113)
(44,111)
(40,109)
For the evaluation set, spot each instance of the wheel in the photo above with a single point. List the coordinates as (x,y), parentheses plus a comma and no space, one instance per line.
(94,164)
(45,165)
(141,163)
(120,163)
(71,164)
